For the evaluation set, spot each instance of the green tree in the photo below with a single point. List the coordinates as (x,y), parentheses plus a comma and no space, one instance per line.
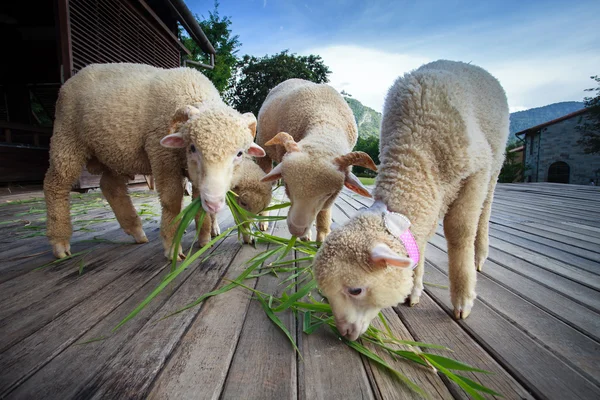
(255,76)
(217,30)
(370,145)
(590,126)
(512,170)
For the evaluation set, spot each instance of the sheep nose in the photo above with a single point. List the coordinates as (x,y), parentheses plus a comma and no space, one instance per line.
(298,231)
(213,204)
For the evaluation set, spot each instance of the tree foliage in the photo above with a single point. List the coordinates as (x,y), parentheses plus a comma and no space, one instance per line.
(590,126)
(217,30)
(512,170)
(255,76)
(370,145)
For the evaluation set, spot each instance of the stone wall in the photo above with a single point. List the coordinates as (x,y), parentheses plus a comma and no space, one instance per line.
(558,142)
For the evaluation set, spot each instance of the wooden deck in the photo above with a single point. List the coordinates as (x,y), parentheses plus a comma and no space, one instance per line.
(535,324)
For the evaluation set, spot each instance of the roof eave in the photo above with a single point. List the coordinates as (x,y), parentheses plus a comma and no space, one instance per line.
(189,23)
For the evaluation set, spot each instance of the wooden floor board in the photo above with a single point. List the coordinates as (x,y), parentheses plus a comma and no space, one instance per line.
(535,323)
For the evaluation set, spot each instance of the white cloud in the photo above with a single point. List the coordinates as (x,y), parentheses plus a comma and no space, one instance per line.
(531,82)
(366,74)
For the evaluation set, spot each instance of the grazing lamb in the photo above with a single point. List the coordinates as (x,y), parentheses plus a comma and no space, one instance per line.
(253,196)
(443,136)
(127,119)
(310,131)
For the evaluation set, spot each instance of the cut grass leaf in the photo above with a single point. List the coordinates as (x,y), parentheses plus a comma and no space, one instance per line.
(60,260)
(278,322)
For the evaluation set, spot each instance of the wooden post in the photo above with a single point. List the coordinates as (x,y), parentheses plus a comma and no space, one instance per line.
(64,30)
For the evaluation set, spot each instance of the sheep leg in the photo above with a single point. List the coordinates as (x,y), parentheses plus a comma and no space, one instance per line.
(114,189)
(215,229)
(170,191)
(417,290)
(65,167)
(460,228)
(266,164)
(323,224)
(205,230)
(482,238)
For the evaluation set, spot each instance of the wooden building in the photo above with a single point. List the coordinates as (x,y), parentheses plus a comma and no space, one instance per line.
(46,42)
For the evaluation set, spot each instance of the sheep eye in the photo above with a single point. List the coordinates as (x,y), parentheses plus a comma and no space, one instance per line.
(193,148)
(243,204)
(240,154)
(355,291)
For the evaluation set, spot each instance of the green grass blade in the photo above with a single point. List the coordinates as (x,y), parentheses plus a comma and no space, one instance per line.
(170,277)
(479,387)
(278,322)
(453,364)
(296,296)
(378,360)
(277,206)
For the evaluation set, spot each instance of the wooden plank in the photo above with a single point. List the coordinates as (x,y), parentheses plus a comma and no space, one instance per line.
(28,356)
(545,375)
(264,363)
(535,310)
(556,235)
(429,323)
(131,372)
(389,387)
(199,365)
(329,369)
(579,317)
(69,373)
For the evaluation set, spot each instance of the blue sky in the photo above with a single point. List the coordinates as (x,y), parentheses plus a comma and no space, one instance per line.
(541,51)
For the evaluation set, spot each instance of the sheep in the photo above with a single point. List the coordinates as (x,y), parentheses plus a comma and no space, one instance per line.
(126,119)
(252,195)
(310,131)
(443,135)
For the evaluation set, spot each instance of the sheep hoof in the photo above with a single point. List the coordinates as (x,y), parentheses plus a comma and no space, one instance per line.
(463,311)
(215,230)
(248,239)
(139,236)
(263,226)
(413,300)
(61,249)
(480,267)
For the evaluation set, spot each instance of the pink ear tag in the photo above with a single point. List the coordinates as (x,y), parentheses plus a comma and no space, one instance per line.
(399,226)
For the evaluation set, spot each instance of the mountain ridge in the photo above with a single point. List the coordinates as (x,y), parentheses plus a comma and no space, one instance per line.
(369,120)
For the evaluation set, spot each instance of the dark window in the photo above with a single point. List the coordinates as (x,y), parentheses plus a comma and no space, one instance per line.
(531,145)
(559,172)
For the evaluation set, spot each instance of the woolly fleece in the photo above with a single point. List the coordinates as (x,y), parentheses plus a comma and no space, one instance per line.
(113,117)
(318,118)
(443,135)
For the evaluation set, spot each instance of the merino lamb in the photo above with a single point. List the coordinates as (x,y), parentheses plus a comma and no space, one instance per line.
(310,131)
(253,195)
(443,136)
(127,119)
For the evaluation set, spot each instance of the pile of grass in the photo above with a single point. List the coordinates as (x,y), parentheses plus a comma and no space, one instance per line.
(302,298)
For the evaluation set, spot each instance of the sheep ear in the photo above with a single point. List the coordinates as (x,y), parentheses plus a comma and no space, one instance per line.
(353,183)
(273,175)
(251,121)
(174,141)
(382,253)
(256,151)
(397,224)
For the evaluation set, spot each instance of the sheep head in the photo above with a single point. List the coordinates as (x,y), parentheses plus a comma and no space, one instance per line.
(312,183)
(215,137)
(361,268)
(253,195)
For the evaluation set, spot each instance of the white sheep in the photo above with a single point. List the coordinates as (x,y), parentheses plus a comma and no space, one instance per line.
(310,130)
(443,136)
(127,119)
(253,195)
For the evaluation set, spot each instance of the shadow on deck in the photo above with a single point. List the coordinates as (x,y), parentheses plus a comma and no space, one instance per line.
(535,323)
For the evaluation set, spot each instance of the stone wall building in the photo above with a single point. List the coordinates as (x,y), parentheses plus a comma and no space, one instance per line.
(551,153)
